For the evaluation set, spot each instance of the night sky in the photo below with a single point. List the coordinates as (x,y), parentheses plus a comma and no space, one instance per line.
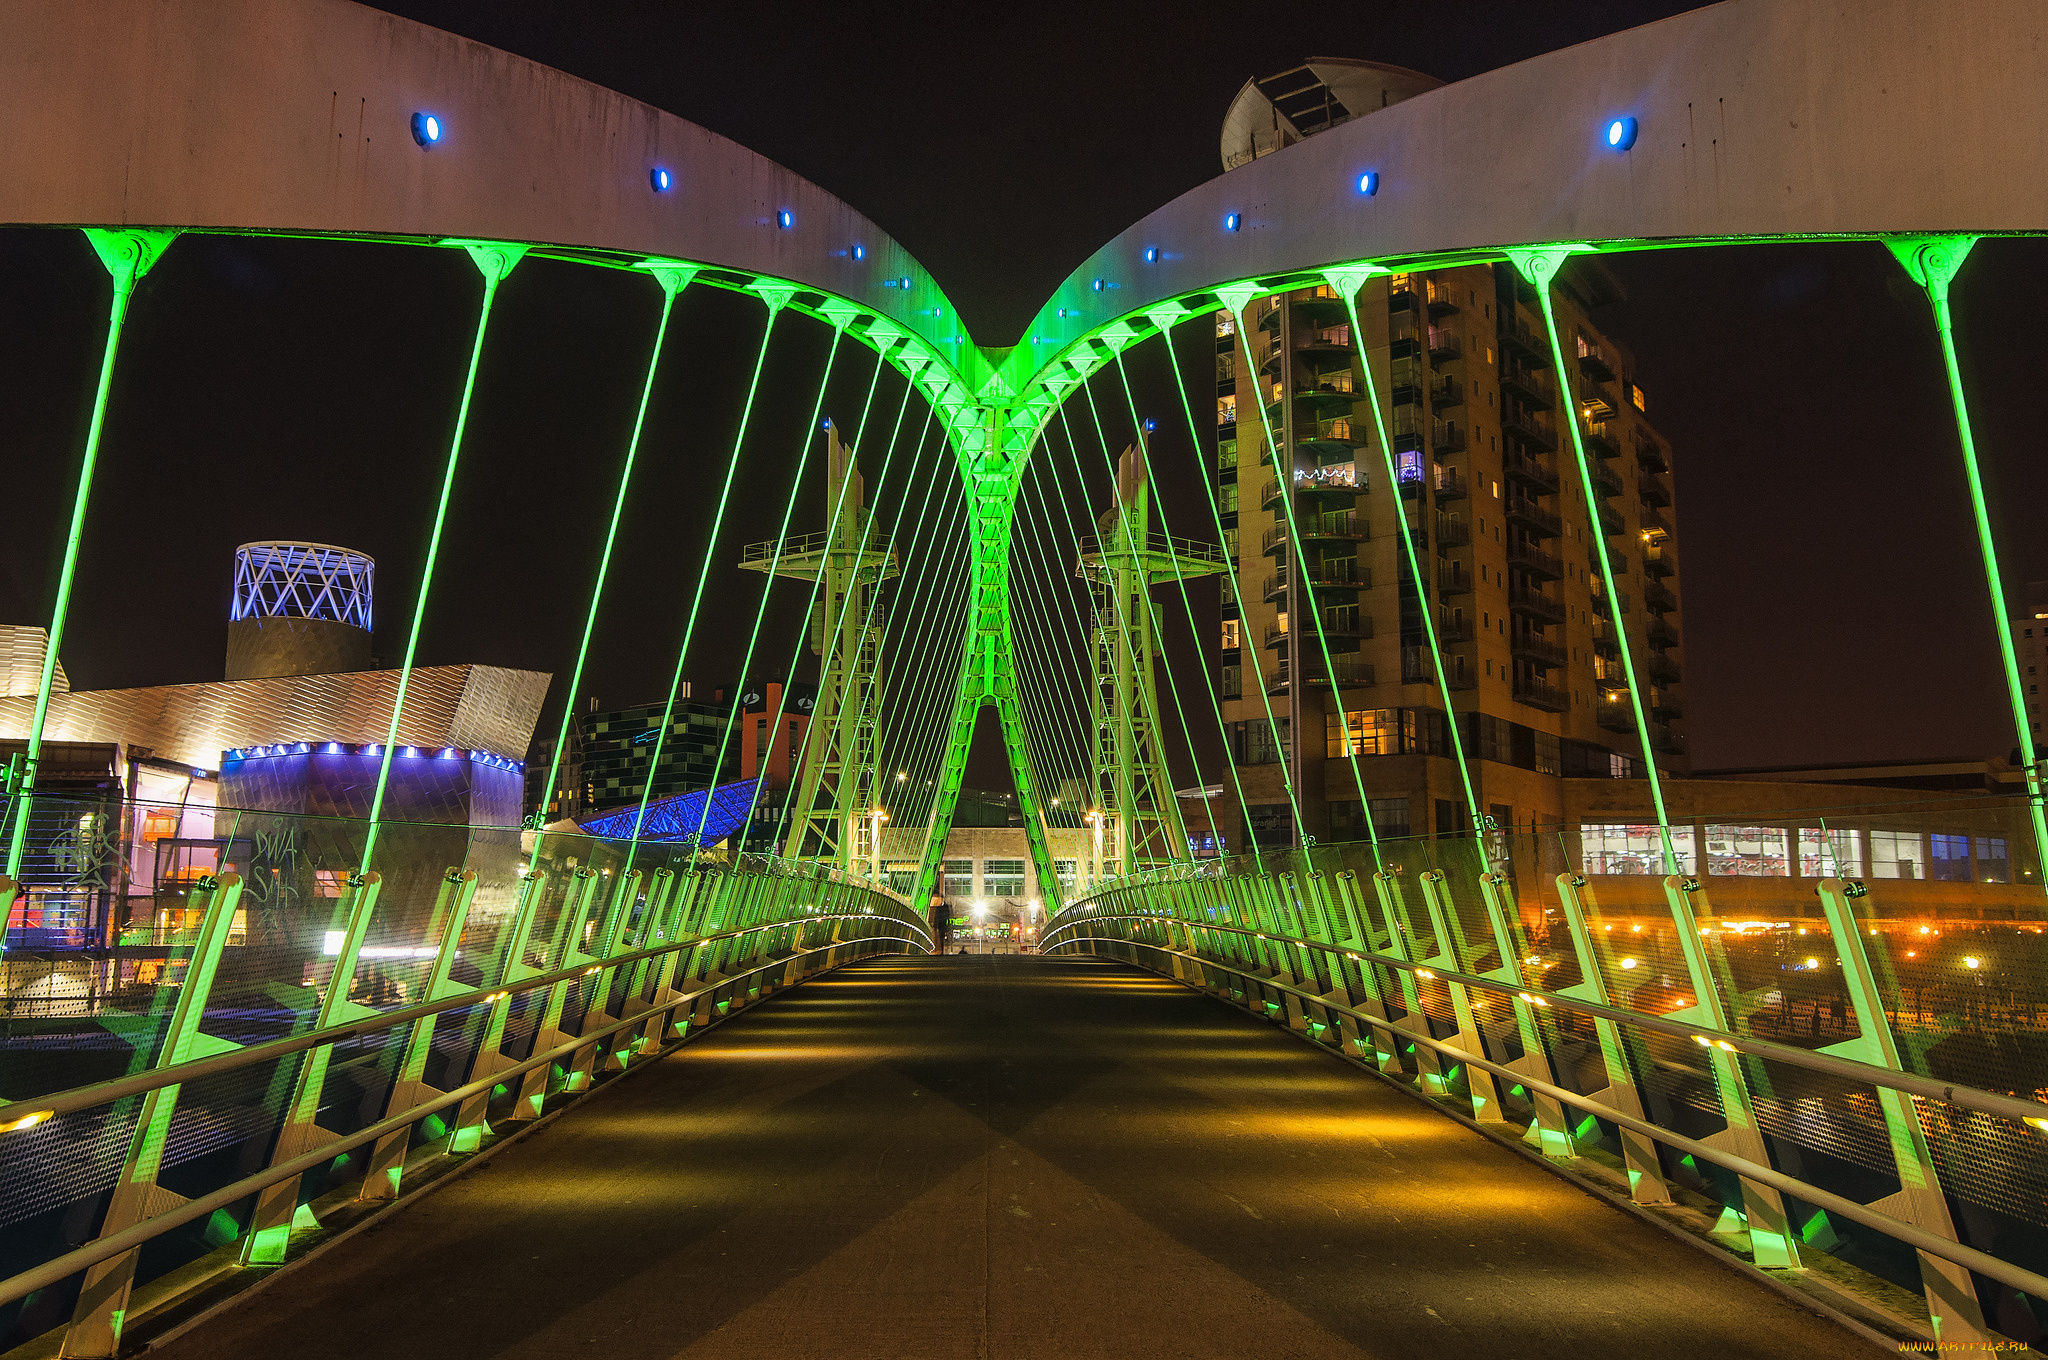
(1834,606)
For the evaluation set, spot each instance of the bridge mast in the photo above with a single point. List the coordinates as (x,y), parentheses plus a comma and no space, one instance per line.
(1140,820)
(830,819)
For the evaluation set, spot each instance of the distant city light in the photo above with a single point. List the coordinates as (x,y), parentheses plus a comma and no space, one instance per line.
(1232,221)
(426,129)
(659,178)
(1369,183)
(1621,134)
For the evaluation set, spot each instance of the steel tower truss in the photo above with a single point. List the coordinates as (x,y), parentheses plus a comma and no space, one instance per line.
(1140,819)
(831,817)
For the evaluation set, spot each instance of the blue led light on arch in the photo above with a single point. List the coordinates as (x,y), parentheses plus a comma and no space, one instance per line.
(785,219)
(426,128)
(1151,254)
(859,251)
(660,179)
(1369,183)
(1621,134)
(1233,221)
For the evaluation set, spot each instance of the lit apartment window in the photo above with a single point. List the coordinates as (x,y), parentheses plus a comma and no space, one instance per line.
(1830,853)
(1631,848)
(1231,635)
(1747,852)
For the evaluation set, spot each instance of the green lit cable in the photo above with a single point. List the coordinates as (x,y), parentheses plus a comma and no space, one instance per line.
(775,298)
(796,484)
(1207,479)
(673,281)
(494,262)
(1298,679)
(1347,288)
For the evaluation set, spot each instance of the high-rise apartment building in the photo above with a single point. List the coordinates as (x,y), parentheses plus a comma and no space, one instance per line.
(1486,478)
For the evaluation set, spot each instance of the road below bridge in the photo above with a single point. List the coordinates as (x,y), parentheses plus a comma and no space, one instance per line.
(1008,1158)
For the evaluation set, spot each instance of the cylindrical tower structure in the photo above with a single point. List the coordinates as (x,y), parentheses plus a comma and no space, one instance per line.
(299,609)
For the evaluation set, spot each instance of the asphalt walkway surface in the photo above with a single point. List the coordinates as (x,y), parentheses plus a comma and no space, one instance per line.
(1008,1158)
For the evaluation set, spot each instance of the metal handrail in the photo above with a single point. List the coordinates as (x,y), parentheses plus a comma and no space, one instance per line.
(2018,1277)
(99,1093)
(1989,1102)
(114,1244)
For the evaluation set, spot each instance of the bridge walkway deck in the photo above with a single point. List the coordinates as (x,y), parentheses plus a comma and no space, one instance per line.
(1007,1159)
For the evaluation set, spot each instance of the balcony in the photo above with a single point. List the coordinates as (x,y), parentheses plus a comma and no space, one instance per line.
(1338,483)
(1535,604)
(1419,668)
(1337,431)
(1662,738)
(1403,342)
(1527,386)
(1658,560)
(1520,467)
(1440,299)
(1526,428)
(1596,399)
(1529,647)
(1535,561)
(1658,597)
(1664,703)
(1452,532)
(1334,524)
(1445,437)
(1594,364)
(1605,481)
(1350,673)
(1653,522)
(1605,602)
(1662,634)
(1446,393)
(1269,494)
(1600,440)
(1277,635)
(1650,456)
(1453,579)
(1615,713)
(1453,628)
(1662,669)
(1450,484)
(1406,394)
(1653,491)
(1519,339)
(1325,340)
(1444,345)
(1533,517)
(1603,641)
(1546,697)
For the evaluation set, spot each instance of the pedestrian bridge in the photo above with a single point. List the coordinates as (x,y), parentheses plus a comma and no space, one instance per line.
(1515,1093)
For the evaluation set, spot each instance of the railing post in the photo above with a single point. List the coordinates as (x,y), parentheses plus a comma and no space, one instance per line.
(1952,1303)
(277,1205)
(1772,1243)
(1479,1083)
(96,1319)
(1646,1184)
(386,1162)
